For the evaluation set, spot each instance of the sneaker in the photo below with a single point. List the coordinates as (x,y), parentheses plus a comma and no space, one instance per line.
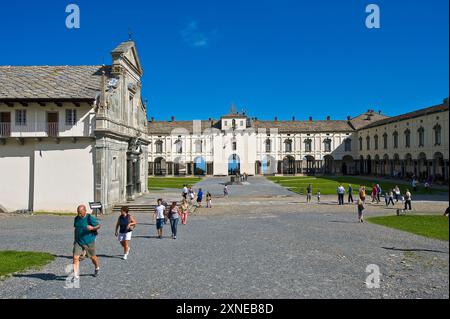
(174,237)
(97,271)
(125,257)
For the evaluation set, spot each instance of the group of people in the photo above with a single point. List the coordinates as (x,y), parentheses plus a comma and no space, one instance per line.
(188,194)
(376,194)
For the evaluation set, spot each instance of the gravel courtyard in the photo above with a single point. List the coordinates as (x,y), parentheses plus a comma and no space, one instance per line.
(254,244)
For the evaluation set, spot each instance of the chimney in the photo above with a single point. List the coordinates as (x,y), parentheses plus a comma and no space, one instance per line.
(209,119)
(328,118)
(172,118)
(276,119)
(293,119)
(310,119)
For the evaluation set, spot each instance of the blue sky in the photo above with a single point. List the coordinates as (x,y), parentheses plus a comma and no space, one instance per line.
(269,57)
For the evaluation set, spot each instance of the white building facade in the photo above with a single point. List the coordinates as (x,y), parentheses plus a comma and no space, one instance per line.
(71,135)
(237,143)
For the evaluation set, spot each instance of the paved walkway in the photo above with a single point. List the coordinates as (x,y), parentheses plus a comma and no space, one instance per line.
(248,246)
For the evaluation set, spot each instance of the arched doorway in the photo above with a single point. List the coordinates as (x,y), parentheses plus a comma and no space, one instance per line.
(361,165)
(422,166)
(310,165)
(269,165)
(159,167)
(179,167)
(409,165)
(369,165)
(385,166)
(376,162)
(347,165)
(234,164)
(289,165)
(438,166)
(397,170)
(328,164)
(199,166)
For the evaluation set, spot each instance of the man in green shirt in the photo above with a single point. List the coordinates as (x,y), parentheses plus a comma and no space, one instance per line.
(86,227)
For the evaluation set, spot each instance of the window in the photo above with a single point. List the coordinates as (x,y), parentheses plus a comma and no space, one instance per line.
(198,147)
(159,147)
(368,142)
(268,146)
(421,132)
(327,145)
(234,146)
(375,139)
(407,138)
(385,141)
(360,144)
(308,143)
(348,145)
(71,117)
(225,123)
(288,146)
(21,117)
(395,136)
(242,123)
(437,135)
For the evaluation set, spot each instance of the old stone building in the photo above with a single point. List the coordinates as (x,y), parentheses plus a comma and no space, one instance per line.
(238,143)
(70,135)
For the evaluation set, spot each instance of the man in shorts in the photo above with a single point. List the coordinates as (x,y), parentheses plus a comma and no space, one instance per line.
(86,227)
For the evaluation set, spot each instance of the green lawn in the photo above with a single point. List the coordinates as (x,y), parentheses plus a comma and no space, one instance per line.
(432,226)
(19,261)
(328,185)
(156,183)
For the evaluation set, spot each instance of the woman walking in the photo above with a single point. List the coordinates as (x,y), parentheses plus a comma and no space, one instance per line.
(184,211)
(397,193)
(174,217)
(391,198)
(360,211)
(208,200)
(159,214)
(124,229)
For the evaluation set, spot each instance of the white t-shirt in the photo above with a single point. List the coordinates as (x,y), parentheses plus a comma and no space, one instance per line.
(160,211)
(341,190)
(185,190)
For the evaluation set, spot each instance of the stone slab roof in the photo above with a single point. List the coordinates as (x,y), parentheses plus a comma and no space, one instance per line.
(164,128)
(50,82)
(304,126)
(429,110)
(366,119)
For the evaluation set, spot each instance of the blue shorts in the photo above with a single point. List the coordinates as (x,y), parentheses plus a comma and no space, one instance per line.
(159,223)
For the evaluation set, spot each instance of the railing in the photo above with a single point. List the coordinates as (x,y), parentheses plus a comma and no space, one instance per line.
(5,129)
(46,129)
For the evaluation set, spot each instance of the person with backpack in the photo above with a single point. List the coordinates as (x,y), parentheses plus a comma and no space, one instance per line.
(174,218)
(124,229)
(86,231)
(160,216)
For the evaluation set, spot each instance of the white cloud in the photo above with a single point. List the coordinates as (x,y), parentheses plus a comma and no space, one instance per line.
(193,36)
